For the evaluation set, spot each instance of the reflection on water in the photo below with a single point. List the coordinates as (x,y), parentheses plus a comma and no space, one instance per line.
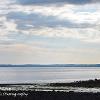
(47,74)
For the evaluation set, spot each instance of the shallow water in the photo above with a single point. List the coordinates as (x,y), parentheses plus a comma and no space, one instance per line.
(47,74)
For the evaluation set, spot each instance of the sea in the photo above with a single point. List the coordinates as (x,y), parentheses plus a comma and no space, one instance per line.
(47,74)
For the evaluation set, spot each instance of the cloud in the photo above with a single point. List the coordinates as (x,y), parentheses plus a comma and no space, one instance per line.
(75,2)
(33,30)
(52,26)
(26,21)
(19,22)
(22,53)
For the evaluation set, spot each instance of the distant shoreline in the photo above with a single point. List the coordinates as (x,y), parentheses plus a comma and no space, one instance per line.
(50,65)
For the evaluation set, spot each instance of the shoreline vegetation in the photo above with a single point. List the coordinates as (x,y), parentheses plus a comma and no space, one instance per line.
(38,91)
(87,84)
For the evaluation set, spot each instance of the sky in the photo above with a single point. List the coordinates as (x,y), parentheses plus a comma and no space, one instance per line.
(49,31)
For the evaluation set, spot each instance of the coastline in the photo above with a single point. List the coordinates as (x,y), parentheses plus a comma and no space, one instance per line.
(51,91)
(48,95)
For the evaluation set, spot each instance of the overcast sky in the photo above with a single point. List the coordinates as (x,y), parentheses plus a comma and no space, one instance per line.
(49,31)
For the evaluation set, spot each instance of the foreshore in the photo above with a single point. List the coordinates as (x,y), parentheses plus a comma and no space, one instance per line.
(48,95)
(80,90)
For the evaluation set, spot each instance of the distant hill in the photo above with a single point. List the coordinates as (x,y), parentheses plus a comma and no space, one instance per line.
(51,65)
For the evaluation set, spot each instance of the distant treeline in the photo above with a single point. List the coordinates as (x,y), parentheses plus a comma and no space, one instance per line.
(86,84)
(49,95)
(51,65)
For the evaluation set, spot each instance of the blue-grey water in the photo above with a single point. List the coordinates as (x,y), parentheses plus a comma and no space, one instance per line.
(47,74)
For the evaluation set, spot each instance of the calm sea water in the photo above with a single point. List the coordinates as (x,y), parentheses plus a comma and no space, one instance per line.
(47,74)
